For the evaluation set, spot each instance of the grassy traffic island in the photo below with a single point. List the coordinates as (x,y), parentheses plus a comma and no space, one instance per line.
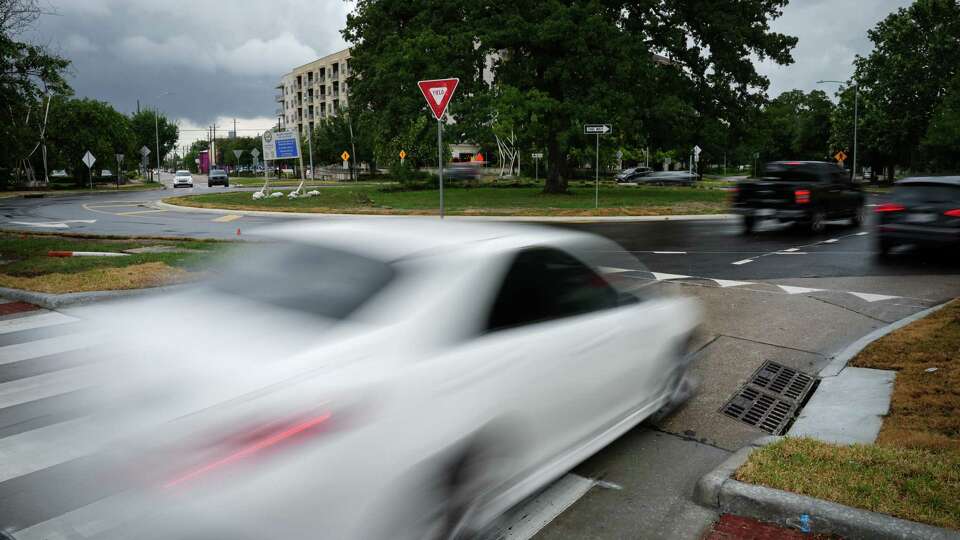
(913,470)
(25,262)
(525,200)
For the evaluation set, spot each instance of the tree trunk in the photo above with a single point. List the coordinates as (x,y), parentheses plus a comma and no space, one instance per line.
(555,181)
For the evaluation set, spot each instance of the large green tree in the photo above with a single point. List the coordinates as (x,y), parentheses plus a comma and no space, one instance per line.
(902,82)
(147,126)
(941,144)
(795,125)
(558,64)
(29,76)
(81,125)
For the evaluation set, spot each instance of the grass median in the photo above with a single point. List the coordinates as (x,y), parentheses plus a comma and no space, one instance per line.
(913,470)
(491,201)
(25,262)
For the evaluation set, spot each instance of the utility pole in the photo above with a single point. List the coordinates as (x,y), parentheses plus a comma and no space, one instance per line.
(353,148)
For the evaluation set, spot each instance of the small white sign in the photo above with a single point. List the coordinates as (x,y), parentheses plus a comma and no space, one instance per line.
(696,151)
(144,151)
(88,159)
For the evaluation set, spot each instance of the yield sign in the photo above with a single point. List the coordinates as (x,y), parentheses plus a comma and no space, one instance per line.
(438,93)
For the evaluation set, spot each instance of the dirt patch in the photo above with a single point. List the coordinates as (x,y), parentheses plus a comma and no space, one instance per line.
(138,276)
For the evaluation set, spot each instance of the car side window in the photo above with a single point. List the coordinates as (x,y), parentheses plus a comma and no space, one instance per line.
(545,284)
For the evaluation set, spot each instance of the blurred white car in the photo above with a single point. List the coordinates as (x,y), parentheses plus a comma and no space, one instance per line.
(182,178)
(383,378)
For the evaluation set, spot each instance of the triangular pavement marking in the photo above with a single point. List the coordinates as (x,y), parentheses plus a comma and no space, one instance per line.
(870,297)
(661,277)
(730,283)
(612,270)
(797,290)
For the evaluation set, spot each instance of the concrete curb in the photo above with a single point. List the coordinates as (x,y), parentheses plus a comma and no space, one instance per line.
(717,489)
(839,361)
(54,301)
(559,219)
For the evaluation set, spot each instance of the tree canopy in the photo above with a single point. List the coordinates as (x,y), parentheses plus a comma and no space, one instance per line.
(664,72)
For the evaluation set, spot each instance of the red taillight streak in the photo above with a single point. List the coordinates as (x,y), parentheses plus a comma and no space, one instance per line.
(793,163)
(266,442)
(953,213)
(891,207)
(802,196)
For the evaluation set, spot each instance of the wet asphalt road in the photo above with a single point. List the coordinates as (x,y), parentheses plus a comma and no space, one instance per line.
(784,295)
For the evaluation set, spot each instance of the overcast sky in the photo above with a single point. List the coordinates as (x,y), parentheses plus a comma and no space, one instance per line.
(222,58)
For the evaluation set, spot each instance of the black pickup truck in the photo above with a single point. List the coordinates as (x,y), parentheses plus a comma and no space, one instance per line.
(805,192)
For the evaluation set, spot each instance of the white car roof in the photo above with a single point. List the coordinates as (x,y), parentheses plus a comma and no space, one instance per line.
(396,238)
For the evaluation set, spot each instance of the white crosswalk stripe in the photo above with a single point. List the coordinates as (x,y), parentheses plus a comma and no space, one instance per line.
(55,434)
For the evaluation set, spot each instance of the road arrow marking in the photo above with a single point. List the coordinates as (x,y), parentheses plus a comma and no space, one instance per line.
(797,290)
(870,297)
(47,225)
(661,277)
(612,270)
(745,261)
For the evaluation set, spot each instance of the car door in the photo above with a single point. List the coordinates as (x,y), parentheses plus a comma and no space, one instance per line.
(835,196)
(562,327)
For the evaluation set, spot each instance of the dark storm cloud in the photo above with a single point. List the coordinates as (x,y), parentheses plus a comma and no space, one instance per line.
(218,58)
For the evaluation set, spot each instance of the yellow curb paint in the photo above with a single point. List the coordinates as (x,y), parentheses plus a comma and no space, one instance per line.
(228,218)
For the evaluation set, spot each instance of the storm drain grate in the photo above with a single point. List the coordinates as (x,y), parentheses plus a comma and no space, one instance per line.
(770,398)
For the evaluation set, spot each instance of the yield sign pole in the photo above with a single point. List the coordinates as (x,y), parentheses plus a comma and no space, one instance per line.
(438,92)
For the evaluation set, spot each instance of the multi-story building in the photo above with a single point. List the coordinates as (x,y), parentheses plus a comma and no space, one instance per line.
(313,91)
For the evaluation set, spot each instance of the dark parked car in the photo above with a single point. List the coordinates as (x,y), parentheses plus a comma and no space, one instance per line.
(805,192)
(461,171)
(669,178)
(921,211)
(633,174)
(218,176)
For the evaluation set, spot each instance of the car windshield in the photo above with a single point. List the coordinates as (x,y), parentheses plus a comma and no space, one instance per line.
(927,193)
(312,279)
(183,173)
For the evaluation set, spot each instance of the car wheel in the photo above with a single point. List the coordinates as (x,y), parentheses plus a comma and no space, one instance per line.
(884,247)
(859,216)
(817,221)
(749,222)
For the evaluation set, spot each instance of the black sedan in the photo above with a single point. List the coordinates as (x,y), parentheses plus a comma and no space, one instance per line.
(923,211)
(634,174)
(669,178)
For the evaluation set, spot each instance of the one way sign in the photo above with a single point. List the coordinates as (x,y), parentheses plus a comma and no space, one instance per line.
(597,129)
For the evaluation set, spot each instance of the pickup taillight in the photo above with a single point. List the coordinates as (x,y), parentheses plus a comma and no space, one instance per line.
(953,213)
(802,196)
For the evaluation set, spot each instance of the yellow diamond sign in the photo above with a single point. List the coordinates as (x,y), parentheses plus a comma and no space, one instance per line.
(403,154)
(840,156)
(345,155)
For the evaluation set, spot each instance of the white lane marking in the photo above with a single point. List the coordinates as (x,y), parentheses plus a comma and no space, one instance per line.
(544,508)
(797,290)
(790,253)
(830,241)
(43,386)
(47,225)
(670,252)
(790,250)
(661,277)
(871,205)
(41,320)
(724,283)
(40,448)
(864,233)
(870,297)
(44,347)
(744,261)
(90,520)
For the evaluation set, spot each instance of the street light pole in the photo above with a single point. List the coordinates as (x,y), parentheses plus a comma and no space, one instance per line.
(856,118)
(156,130)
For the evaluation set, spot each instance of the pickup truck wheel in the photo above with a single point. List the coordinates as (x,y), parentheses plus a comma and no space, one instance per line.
(748,224)
(884,247)
(859,216)
(817,223)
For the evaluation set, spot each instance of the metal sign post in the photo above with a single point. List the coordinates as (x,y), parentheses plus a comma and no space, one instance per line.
(537,156)
(598,130)
(89,160)
(438,93)
(119,168)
